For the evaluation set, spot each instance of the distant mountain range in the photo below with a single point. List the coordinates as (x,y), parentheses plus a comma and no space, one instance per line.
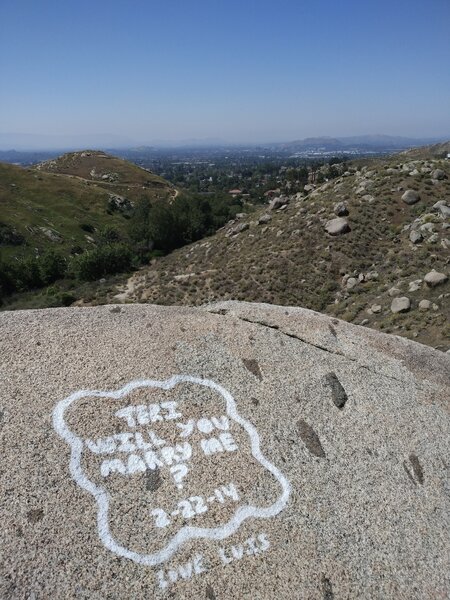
(34,142)
(361,142)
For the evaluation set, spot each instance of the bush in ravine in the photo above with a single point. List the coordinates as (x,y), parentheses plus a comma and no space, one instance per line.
(7,282)
(101,261)
(26,274)
(52,266)
(109,235)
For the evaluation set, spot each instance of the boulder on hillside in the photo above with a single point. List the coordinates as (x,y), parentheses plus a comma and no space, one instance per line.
(438,174)
(401,304)
(371,276)
(265,218)
(411,197)
(119,203)
(278,202)
(424,304)
(340,209)
(442,207)
(239,228)
(394,291)
(434,278)
(351,283)
(415,285)
(308,452)
(415,236)
(337,226)
(51,234)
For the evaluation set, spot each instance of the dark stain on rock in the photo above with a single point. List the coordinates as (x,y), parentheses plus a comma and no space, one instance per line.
(327,588)
(417,467)
(338,393)
(255,401)
(310,438)
(115,309)
(210,595)
(153,480)
(332,329)
(252,365)
(35,515)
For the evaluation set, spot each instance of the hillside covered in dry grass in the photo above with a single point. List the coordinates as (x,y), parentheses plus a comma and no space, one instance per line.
(359,247)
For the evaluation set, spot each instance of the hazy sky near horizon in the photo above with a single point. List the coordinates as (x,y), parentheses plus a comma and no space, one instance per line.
(241,71)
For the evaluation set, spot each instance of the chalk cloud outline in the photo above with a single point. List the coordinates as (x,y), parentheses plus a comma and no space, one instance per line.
(187,532)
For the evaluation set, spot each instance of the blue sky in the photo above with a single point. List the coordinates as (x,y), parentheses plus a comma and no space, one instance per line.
(236,70)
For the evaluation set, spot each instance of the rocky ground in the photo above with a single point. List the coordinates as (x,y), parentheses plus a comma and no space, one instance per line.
(331,441)
(371,246)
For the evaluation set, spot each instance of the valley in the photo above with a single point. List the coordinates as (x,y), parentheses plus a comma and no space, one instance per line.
(355,239)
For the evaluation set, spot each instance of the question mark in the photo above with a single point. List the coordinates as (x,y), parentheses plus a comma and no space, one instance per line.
(179,472)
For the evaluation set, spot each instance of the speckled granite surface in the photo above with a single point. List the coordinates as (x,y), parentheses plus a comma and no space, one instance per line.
(231,451)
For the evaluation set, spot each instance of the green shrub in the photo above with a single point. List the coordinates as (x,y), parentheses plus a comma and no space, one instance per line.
(109,235)
(27,274)
(7,281)
(101,261)
(9,236)
(52,266)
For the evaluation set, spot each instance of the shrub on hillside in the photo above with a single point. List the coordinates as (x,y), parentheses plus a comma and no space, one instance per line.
(26,274)
(187,219)
(109,235)
(101,261)
(9,236)
(52,266)
(7,283)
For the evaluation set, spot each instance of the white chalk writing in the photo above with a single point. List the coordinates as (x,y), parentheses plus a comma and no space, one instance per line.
(195,505)
(250,547)
(145,449)
(143,414)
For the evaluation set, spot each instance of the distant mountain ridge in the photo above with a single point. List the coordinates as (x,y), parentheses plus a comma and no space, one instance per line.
(63,143)
(375,142)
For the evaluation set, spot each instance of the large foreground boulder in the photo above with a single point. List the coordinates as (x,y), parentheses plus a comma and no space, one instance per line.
(232,451)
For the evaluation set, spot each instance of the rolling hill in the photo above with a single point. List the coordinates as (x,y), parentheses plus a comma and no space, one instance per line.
(385,264)
(103,169)
(65,203)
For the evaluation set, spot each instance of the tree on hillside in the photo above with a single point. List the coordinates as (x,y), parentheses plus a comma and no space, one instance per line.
(139,227)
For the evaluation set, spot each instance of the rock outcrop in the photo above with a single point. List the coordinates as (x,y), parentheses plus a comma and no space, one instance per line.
(231,451)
